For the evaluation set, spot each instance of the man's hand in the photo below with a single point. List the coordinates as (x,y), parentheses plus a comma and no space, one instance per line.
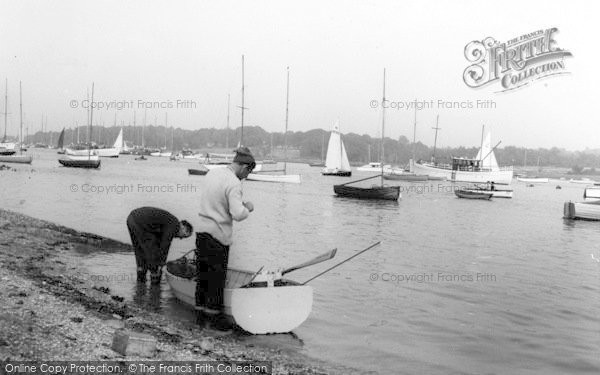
(249,206)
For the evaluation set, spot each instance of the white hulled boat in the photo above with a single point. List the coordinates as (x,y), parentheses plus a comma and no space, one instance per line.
(592,192)
(589,210)
(114,151)
(375,167)
(542,180)
(482,168)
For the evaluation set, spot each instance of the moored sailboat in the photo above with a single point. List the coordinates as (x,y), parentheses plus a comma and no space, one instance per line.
(21,159)
(336,161)
(376,191)
(60,144)
(6,148)
(92,160)
(268,176)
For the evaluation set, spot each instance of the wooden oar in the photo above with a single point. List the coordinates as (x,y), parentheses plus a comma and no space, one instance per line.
(321,258)
(342,262)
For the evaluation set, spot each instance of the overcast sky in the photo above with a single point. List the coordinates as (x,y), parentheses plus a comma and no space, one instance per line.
(336,50)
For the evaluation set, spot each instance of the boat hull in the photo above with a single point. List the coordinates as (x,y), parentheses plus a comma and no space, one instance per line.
(472,195)
(582,210)
(583,181)
(258,310)
(335,172)
(383,193)
(197,172)
(592,193)
(16,159)
(541,180)
(495,193)
(405,177)
(499,176)
(80,163)
(107,152)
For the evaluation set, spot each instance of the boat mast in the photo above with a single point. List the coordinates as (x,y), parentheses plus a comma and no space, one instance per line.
(21,120)
(5,109)
(90,124)
(143,127)
(242,107)
(481,149)
(415,138)
(227,131)
(381,151)
(166,120)
(287,101)
(435,140)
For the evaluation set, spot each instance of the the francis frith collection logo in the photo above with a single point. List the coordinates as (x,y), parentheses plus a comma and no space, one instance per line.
(515,63)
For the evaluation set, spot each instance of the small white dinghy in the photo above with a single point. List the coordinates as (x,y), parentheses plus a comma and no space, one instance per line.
(258,303)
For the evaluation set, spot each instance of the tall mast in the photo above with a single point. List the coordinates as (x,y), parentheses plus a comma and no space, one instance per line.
(381,151)
(166,121)
(227,131)
(415,137)
(481,148)
(242,107)
(287,101)
(90,125)
(143,127)
(87,91)
(436,131)
(21,120)
(5,109)
(134,130)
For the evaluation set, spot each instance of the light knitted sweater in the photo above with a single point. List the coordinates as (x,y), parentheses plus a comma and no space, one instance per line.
(221,203)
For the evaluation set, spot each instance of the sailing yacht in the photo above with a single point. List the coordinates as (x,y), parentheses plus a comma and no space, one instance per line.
(380,191)
(336,162)
(80,160)
(267,177)
(6,148)
(115,150)
(22,159)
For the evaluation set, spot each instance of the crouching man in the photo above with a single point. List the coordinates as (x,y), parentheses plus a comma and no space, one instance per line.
(152,230)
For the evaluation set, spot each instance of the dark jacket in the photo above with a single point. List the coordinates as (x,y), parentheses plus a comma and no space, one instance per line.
(152,230)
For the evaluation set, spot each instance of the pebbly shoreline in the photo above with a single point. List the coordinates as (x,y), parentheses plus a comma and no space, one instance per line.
(49,313)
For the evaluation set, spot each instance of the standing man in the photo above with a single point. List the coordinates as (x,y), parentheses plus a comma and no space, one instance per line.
(152,230)
(220,204)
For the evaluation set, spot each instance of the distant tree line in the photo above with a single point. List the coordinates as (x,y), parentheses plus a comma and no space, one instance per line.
(312,145)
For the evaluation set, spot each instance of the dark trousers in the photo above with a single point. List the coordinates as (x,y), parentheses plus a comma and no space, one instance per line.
(141,257)
(211,271)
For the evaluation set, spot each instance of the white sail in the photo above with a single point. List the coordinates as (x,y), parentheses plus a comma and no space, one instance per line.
(486,152)
(119,141)
(336,159)
(345,162)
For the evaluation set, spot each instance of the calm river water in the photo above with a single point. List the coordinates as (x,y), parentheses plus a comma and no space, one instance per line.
(456,286)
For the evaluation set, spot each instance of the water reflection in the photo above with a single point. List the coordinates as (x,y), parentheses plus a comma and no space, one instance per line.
(148,296)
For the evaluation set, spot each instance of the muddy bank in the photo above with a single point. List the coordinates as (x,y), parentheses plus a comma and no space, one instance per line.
(49,312)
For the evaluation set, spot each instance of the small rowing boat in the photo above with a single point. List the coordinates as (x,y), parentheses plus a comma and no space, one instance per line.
(258,303)
(197,172)
(472,194)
